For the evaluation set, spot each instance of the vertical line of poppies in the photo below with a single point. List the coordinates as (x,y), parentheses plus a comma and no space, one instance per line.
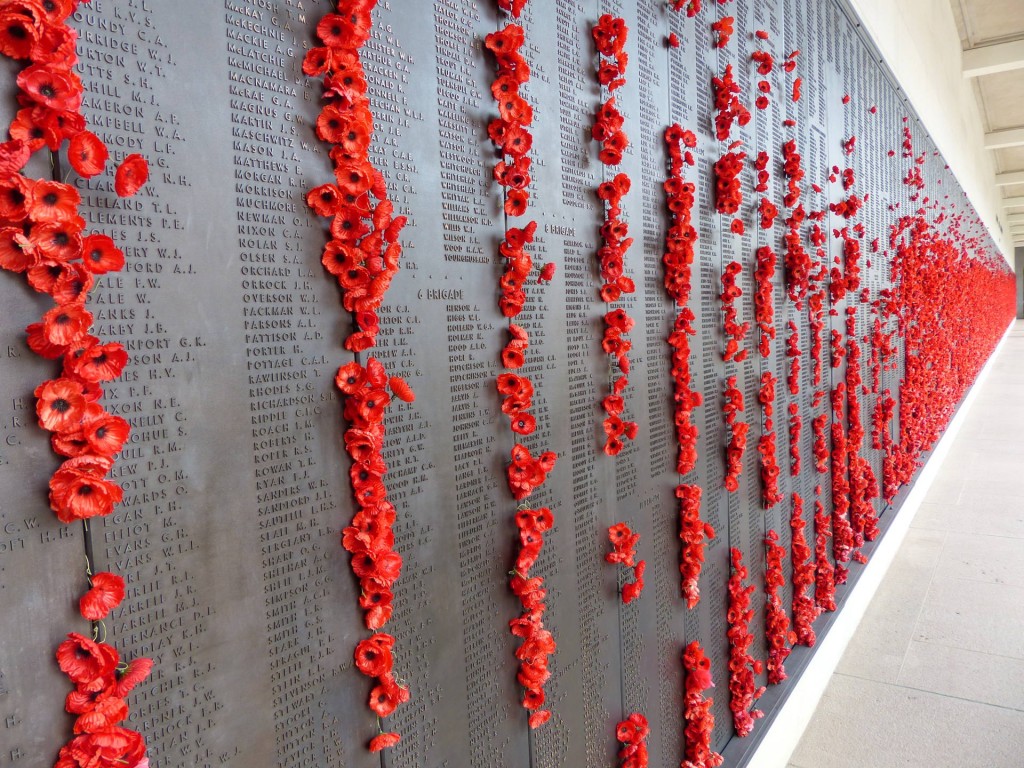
(363,255)
(42,236)
(511,136)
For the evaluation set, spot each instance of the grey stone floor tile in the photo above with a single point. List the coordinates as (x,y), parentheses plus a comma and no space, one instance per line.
(866,724)
(976,615)
(984,515)
(983,558)
(979,677)
(877,648)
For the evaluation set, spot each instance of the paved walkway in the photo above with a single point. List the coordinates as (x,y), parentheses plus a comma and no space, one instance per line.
(934,675)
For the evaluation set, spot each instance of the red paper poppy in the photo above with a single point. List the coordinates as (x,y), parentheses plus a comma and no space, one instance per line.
(383,741)
(87,154)
(78,495)
(131,176)
(106,593)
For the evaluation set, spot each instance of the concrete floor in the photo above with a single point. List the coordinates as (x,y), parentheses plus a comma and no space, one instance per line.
(934,675)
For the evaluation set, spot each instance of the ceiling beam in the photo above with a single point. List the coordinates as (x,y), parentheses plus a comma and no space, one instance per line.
(1013,202)
(990,59)
(1012,137)
(1010,177)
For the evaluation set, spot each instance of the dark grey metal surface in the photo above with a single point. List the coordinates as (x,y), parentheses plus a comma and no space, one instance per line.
(235,481)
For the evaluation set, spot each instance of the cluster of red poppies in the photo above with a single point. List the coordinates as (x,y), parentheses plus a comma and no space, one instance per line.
(816,321)
(863,485)
(617,323)
(614,234)
(728,190)
(766,447)
(728,108)
(796,427)
(363,252)
(509,131)
(686,398)
(819,445)
(843,542)
(513,7)
(538,644)
(733,405)
(525,472)
(373,658)
(609,35)
(768,212)
(764,304)
(680,246)
(369,536)
(700,721)
(633,733)
(793,353)
(518,394)
(824,573)
(693,532)
(804,609)
(624,541)
(735,332)
(518,267)
(743,690)
(765,64)
(838,348)
(776,620)
(692,7)
(101,685)
(42,236)
(723,29)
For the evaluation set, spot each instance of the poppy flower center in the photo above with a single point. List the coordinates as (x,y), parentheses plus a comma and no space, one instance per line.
(60,405)
(48,91)
(101,432)
(17,31)
(50,198)
(85,490)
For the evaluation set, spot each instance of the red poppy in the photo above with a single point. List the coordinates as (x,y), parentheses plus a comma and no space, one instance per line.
(89,664)
(64,324)
(383,565)
(106,593)
(59,405)
(17,252)
(19,31)
(57,89)
(537,719)
(324,200)
(106,434)
(77,494)
(373,655)
(523,423)
(52,201)
(56,240)
(383,741)
(131,176)
(386,696)
(346,30)
(100,255)
(87,154)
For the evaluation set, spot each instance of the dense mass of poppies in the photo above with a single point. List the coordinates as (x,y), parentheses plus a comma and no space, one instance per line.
(43,237)
(363,255)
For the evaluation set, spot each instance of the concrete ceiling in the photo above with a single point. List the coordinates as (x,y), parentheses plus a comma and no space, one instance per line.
(992,37)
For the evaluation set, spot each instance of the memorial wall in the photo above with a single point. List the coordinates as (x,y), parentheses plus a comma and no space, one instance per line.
(792,256)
